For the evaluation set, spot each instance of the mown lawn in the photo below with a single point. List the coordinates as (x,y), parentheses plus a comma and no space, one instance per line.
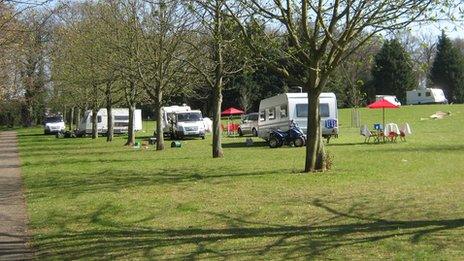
(91,199)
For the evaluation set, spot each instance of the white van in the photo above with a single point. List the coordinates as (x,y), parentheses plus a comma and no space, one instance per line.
(390,98)
(54,124)
(187,124)
(167,113)
(278,111)
(425,96)
(120,121)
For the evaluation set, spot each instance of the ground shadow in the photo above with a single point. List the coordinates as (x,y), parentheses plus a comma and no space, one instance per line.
(76,184)
(335,144)
(307,241)
(243,144)
(427,148)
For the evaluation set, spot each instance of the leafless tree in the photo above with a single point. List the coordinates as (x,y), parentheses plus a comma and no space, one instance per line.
(319,35)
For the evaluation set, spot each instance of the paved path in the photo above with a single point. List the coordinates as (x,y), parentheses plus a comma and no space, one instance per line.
(13,217)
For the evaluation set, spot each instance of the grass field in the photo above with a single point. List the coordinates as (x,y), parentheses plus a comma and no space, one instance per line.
(91,199)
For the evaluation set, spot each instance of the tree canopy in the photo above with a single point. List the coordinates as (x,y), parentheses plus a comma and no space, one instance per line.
(447,70)
(392,72)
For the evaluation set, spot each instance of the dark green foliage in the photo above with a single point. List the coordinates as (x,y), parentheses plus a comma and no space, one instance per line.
(392,72)
(447,70)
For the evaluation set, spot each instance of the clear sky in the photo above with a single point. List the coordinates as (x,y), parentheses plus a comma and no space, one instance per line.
(453,30)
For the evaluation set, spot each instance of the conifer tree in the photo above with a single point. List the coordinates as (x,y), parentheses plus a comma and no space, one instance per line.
(392,73)
(447,70)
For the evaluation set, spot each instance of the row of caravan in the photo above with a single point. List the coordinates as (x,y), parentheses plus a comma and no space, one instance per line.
(276,112)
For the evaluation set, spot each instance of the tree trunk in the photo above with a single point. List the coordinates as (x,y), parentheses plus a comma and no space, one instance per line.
(131,133)
(94,123)
(110,128)
(217,146)
(315,153)
(218,77)
(159,121)
(65,115)
(109,111)
(71,119)
(78,118)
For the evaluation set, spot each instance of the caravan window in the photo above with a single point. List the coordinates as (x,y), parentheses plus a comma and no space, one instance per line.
(427,94)
(419,94)
(283,111)
(121,118)
(324,110)
(262,115)
(99,118)
(271,113)
(302,110)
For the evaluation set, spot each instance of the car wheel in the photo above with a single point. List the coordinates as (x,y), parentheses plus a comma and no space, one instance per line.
(240,133)
(202,137)
(274,142)
(299,142)
(255,132)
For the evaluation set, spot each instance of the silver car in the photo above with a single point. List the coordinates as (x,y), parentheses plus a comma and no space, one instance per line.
(249,125)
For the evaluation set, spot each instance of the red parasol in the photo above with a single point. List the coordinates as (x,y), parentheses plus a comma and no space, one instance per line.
(232,111)
(382,104)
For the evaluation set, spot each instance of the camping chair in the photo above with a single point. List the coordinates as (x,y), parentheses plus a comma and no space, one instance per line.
(368,134)
(405,130)
(391,131)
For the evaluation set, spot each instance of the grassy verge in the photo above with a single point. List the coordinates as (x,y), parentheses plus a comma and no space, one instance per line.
(92,199)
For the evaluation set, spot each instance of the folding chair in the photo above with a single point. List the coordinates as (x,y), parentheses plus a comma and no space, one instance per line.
(405,129)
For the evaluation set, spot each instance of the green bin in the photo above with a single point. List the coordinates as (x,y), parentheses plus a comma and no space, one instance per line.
(176,144)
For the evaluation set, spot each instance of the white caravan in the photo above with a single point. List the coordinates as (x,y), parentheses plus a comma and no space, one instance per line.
(120,121)
(390,98)
(182,121)
(278,111)
(424,96)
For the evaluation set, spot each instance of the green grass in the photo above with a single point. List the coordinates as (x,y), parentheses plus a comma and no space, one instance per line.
(91,199)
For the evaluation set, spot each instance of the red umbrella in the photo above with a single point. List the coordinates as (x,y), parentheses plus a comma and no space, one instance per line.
(232,111)
(382,104)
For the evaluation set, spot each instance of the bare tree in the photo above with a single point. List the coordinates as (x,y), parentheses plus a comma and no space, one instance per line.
(319,35)
(215,37)
(162,58)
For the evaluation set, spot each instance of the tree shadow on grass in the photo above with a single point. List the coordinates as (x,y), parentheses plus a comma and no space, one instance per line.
(334,144)
(243,144)
(76,184)
(34,135)
(427,148)
(240,239)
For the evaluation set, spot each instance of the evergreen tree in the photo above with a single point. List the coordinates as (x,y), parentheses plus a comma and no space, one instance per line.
(447,70)
(392,72)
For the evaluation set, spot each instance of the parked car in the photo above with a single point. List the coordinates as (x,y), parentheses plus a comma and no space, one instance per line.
(249,125)
(54,124)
